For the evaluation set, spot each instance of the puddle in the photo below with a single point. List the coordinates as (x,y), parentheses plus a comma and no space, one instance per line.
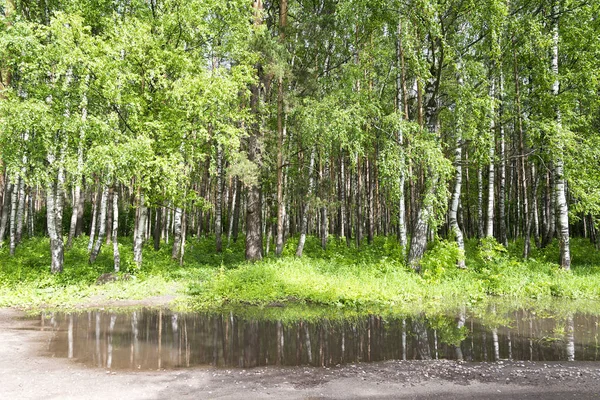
(159,339)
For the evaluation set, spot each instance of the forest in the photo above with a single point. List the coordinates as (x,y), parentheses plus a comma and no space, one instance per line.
(267,145)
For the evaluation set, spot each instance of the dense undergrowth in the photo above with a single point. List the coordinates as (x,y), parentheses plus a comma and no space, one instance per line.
(371,278)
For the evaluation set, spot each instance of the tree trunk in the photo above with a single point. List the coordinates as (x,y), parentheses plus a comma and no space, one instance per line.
(562,207)
(139,232)
(458,187)
(74,215)
(342,197)
(253,196)
(20,210)
(219,201)
(8,189)
(324,199)
(480,221)
(235,228)
(13,216)
(234,204)
(304,223)
(491,169)
(369,174)
(177,233)
(401,106)
(102,225)
(502,234)
(80,209)
(95,202)
(115,231)
(54,214)
(158,226)
(109,216)
(358,202)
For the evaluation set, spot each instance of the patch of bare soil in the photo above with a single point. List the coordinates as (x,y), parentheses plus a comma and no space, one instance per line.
(25,374)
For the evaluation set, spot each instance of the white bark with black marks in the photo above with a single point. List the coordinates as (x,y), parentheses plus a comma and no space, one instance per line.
(102,225)
(454,204)
(115,231)
(562,208)
(20,211)
(177,233)
(14,197)
(95,201)
(138,242)
(219,201)
(489,232)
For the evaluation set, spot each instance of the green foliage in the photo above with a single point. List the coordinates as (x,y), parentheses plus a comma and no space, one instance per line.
(372,278)
(440,259)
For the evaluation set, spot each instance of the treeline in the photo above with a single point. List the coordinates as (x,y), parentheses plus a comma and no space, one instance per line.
(161,119)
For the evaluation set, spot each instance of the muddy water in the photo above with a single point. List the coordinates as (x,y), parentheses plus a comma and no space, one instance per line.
(160,339)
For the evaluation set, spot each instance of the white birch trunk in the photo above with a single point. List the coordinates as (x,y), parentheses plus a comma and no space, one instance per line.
(491,171)
(13,217)
(20,211)
(115,230)
(219,201)
(176,233)
(139,236)
(94,218)
(562,207)
(402,238)
(102,225)
(456,199)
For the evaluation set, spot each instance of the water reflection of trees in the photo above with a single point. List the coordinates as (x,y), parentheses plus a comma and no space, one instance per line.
(160,339)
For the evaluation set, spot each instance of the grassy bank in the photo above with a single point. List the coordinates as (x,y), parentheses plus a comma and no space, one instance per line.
(371,278)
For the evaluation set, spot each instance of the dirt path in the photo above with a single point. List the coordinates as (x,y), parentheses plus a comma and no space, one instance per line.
(25,374)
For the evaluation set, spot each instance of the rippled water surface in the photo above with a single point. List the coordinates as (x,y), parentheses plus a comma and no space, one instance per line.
(160,339)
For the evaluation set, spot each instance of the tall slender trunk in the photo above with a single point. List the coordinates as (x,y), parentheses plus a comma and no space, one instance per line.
(234,204)
(20,210)
(115,231)
(158,227)
(102,225)
(13,216)
(177,233)
(562,207)
(304,223)
(236,210)
(78,177)
(74,215)
(342,197)
(219,201)
(502,234)
(480,222)
(109,216)
(458,186)
(370,200)
(491,169)
(401,105)
(358,202)
(139,232)
(95,201)
(8,189)
(80,209)
(324,199)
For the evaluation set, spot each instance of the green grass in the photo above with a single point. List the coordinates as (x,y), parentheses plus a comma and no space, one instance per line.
(372,278)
